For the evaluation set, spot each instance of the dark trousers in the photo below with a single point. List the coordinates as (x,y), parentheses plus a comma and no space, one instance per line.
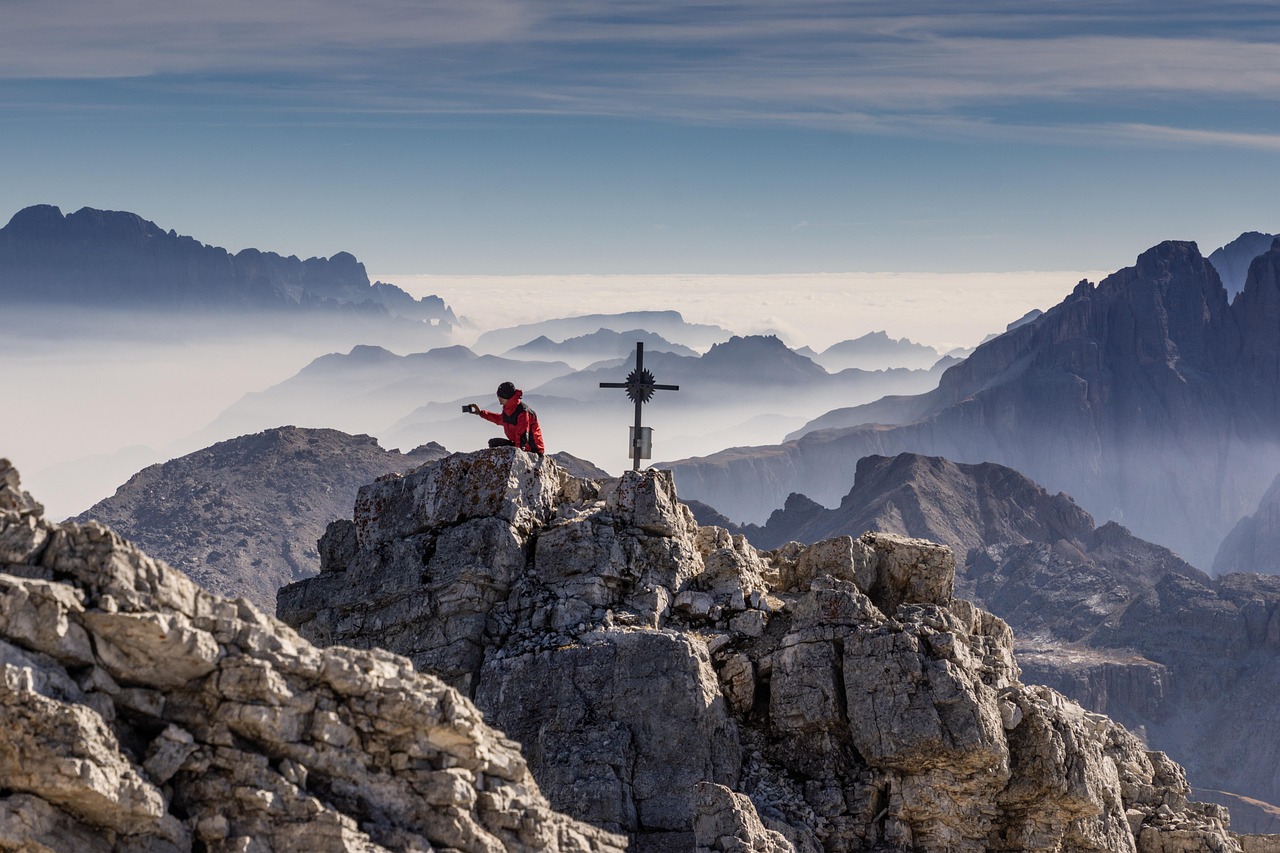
(503,442)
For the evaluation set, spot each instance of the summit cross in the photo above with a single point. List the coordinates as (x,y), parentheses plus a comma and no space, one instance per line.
(640,387)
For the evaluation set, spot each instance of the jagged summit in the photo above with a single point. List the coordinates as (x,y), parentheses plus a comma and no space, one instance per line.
(1232,260)
(670,681)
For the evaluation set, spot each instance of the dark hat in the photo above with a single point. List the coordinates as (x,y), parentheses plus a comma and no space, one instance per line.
(506,390)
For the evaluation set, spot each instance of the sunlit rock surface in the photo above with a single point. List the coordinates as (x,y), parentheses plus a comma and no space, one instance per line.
(671,682)
(140,713)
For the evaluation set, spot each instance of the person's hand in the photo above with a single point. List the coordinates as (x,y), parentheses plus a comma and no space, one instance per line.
(473,408)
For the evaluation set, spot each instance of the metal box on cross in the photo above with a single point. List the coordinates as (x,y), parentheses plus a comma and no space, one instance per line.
(640,386)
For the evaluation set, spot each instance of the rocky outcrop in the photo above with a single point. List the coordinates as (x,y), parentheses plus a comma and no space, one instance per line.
(116,259)
(1232,260)
(143,714)
(1120,625)
(241,517)
(1148,398)
(671,681)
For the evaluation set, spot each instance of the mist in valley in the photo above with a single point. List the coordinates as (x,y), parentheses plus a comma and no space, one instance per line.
(106,393)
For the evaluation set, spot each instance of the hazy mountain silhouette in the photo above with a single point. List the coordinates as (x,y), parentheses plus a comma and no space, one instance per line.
(1253,545)
(1148,397)
(120,260)
(669,324)
(601,345)
(1232,260)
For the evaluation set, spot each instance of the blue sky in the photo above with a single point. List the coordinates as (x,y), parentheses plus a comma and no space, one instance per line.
(561,136)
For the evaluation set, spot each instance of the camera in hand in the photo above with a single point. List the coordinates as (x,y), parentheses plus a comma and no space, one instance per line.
(467,408)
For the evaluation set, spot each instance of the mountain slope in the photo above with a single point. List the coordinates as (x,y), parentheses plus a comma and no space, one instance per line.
(1253,545)
(242,517)
(1147,397)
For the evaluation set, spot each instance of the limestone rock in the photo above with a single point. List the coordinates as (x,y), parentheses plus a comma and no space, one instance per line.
(140,713)
(673,683)
(727,823)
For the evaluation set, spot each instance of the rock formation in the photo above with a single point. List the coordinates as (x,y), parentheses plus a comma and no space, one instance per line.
(1253,545)
(1123,626)
(1148,398)
(672,682)
(241,517)
(1232,260)
(112,258)
(143,714)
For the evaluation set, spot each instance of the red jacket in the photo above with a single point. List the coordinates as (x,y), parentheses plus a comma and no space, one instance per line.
(520,423)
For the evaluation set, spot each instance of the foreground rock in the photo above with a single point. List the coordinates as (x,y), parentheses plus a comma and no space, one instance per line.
(1123,626)
(140,713)
(673,682)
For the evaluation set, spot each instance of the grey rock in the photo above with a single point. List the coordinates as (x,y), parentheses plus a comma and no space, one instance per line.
(870,710)
(142,714)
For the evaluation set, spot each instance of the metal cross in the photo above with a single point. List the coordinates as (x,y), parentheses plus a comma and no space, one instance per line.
(640,386)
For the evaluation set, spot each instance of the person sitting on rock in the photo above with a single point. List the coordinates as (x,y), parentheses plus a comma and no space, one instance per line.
(519,422)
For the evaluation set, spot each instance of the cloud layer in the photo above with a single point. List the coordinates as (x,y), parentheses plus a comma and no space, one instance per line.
(1122,70)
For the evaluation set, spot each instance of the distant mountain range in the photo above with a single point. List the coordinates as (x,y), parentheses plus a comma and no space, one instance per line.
(874,351)
(669,324)
(1148,397)
(105,258)
(603,344)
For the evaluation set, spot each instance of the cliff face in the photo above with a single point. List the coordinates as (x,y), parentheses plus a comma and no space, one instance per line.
(143,714)
(1148,398)
(100,258)
(235,516)
(673,682)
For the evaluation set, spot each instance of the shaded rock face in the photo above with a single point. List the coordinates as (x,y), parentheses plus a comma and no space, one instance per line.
(141,713)
(671,681)
(1232,260)
(1147,397)
(1253,545)
(112,258)
(240,517)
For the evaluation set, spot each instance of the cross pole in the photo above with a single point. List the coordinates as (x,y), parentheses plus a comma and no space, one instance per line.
(640,386)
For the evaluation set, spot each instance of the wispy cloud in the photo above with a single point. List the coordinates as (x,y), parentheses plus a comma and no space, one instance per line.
(870,66)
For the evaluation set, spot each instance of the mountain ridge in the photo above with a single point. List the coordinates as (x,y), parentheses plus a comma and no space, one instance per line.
(115,258)
(1132,395)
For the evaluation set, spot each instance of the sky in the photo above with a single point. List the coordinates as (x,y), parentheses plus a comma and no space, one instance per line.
(564,137)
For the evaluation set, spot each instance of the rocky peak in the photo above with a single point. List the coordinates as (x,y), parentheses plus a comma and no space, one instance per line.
(1232,260)
(672,682)
(144,714)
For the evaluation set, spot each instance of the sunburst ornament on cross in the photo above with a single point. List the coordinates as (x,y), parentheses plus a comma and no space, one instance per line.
(640,386)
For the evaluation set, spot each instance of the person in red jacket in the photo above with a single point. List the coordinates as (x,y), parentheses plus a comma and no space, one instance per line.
(518,421)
